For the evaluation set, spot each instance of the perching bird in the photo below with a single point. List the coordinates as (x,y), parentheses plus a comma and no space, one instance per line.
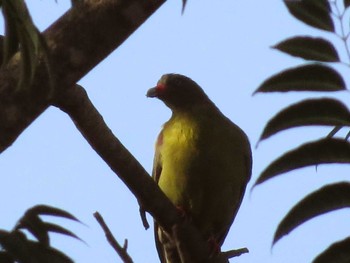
(202,162)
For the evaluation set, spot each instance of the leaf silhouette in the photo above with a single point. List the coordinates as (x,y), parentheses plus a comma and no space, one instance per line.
(40,229)
(51,211)
(16,244)
(61,230)
(42,254)
(315,13)
(313,153)
(346,3)
(6,257)
(21,33)
(309,48)
(323,111)
(326,199)
(34,225)
(313,77)
(337,253)
(184,2)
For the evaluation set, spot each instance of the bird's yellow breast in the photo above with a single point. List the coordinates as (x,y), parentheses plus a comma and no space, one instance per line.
(177,152)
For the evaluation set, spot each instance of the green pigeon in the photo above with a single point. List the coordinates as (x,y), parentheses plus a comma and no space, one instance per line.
(202,162)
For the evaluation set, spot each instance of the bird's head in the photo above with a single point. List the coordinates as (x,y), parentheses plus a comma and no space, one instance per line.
(178,92)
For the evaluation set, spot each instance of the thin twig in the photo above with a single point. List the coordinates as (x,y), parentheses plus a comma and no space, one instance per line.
(123,254)
(339,15)
(235,252)
(143,217)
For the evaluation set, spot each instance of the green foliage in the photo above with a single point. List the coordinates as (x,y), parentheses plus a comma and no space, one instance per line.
(16,247)
(21,35)
(321,77)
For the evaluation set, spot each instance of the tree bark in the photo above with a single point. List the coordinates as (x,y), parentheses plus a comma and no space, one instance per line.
(77,42)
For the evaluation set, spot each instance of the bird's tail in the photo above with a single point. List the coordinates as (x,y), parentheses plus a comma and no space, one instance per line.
(166,247)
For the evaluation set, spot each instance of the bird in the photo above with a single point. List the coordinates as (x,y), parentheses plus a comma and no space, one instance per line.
(202,162)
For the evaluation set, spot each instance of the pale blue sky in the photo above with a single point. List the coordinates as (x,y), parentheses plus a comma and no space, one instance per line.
(225,47)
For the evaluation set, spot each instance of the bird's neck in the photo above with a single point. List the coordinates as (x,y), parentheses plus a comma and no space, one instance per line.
(193,110)
(181,115)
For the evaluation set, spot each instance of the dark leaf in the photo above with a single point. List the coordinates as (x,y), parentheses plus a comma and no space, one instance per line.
(58,229)
(19,249)
(312,77)
(309,48)
(16,244)
(42,254)
(6,258)
(315,13)
(26,251)
(11,42)
(337,253)
(346,3)
(32,222)
(328,198)
(308,112)
(21,33)
(28,60)
(34,225)
(51,211)
(184,2)
(313,153)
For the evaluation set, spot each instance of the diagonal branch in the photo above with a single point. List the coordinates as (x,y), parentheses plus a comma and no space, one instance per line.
(77,42)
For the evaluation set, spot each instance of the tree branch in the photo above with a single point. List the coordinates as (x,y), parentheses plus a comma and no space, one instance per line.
(77,42)
(235,252)
(123,254)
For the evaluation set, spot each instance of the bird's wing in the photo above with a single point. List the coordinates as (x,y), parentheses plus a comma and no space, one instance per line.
(248,164)
(157,170)
(157,161)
